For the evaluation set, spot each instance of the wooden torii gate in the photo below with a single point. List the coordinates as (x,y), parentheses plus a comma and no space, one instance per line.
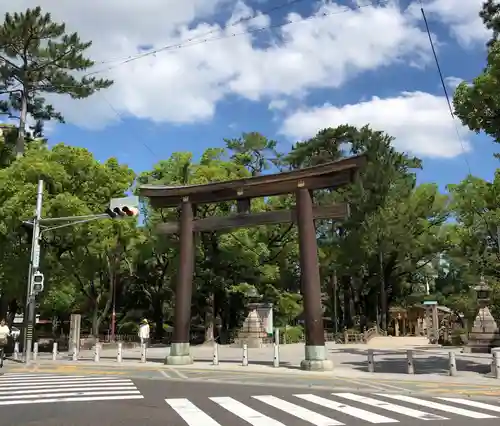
(302,183)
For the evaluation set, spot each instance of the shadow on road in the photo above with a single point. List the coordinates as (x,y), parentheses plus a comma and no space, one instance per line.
(387,361)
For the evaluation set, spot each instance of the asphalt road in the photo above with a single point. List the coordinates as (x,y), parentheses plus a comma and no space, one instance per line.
(174,403)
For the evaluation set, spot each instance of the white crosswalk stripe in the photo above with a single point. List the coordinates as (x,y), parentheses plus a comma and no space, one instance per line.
(16,389)
(286,408)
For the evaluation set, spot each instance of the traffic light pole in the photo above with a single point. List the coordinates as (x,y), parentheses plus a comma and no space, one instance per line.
(29,319)
(120,207)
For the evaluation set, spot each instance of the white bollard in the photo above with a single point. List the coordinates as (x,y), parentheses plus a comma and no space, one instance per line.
(409,359)
(143,352)
(496,360)
(75,353)
(119,356)
(35,351)
(216,354)
(54,351)
(452,364)
(276,359)
(16,351)
(97,352)
(371,361)
(277,336)
(244,361)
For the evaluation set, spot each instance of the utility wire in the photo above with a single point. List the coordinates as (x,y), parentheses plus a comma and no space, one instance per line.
(256,14)
(445,90)
(472,207)
(197,40)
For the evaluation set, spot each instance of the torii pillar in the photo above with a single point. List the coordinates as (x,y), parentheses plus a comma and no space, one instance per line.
(180,353)
(315,351)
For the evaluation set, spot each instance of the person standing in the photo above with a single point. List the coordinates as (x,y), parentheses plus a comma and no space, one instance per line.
(144,332)
(4,339)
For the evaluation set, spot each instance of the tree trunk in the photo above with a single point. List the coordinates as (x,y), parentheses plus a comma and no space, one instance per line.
(210,318)
(158,317)
(383,295)
(22,124)
(333,288)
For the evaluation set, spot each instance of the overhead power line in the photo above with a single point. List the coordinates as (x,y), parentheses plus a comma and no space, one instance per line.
(201,38)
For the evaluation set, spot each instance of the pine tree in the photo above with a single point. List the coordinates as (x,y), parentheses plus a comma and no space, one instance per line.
(37,56)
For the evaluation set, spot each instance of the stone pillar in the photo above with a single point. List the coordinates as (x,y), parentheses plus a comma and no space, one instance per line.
(315,351)
(179,350)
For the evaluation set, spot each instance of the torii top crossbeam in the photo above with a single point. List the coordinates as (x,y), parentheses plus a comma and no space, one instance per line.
(329,175)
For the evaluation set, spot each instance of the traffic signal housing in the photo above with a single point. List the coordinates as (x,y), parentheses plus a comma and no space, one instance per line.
(38,281)
(123,207)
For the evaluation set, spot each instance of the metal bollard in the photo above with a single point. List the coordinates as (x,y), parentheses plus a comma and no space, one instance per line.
(496,361)
(215,360)
(277,336)
(245,355)
(54,351)
(96,352)
(35,351)
(452,364)
(371,361)
(409,358)
(276,359)
(143,352)
(119,352)
(16,351)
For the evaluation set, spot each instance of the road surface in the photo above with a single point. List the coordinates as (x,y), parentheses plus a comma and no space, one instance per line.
(85,400)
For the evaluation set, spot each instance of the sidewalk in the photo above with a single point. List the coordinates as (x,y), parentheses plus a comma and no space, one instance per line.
(350,362)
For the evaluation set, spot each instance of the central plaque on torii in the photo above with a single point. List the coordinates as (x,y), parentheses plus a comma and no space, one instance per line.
(302,183)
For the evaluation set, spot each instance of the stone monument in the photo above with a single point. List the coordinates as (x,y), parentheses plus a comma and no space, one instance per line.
(484,334)
(252,332)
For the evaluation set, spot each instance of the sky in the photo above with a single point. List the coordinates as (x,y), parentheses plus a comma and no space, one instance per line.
(284,68)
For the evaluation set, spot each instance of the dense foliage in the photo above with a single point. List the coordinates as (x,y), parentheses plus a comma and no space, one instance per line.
(397,241)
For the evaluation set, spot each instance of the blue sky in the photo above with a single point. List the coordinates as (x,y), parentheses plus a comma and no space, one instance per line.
(371,65)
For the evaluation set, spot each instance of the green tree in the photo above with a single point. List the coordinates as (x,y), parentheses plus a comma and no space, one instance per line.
(38,56)
(477,104)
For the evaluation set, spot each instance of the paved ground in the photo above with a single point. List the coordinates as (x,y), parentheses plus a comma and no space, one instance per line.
(55,400)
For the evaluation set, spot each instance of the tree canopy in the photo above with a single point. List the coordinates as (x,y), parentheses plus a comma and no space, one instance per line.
(402,243)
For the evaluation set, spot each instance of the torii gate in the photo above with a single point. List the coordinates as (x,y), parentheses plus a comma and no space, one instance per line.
(300,182)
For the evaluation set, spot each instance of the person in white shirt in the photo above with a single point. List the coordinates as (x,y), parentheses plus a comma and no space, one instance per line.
(4,338)
(144,332)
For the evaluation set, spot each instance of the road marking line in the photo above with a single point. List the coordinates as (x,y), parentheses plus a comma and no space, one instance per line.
(79,388)
(190,413)
(62,382)
(361,383)
(56,382)
(346,409)
(71,399)
(244,412)
(67,394)
(410,412)
(471,403)
(41,377)
(297,411)
(438,406)
(179,373)
(164,373)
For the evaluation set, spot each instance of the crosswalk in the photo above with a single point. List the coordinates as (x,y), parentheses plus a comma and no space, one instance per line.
(334,410)
(16,389)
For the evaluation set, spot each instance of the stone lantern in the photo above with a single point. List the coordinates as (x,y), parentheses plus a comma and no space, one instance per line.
(484,333)
(252,332)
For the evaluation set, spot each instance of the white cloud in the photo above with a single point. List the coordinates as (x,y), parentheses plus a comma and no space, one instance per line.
(462,17)
(420,122)
(277,104)
(185,85)
(453,82)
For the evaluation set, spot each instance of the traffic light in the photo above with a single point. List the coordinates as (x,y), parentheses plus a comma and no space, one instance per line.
(123,207)
(122,212)
(38,280)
